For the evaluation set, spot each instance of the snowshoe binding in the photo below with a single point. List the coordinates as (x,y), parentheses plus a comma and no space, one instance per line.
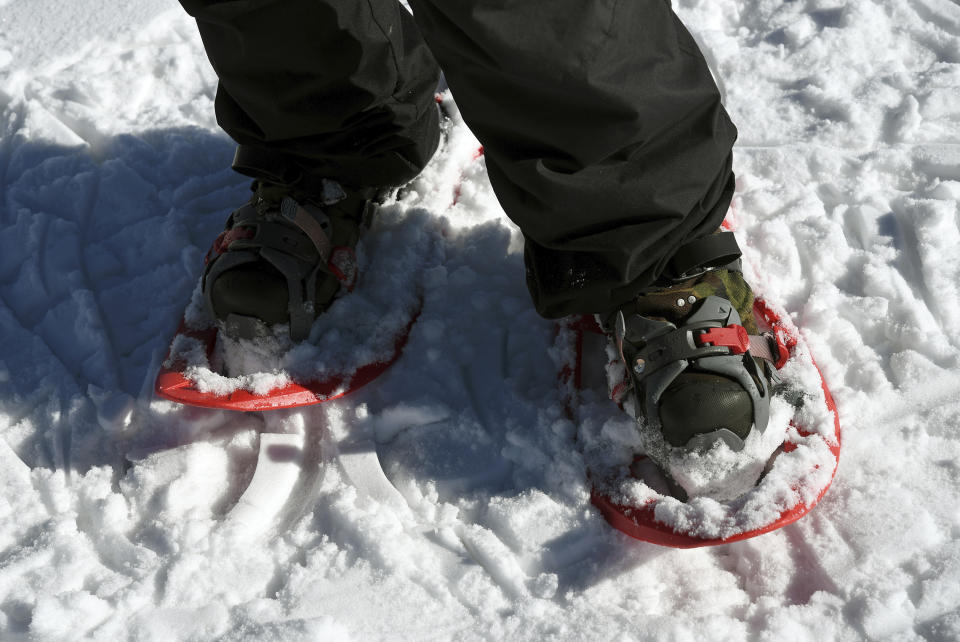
(283,258)
(695,360)
(281,261)
(699,370)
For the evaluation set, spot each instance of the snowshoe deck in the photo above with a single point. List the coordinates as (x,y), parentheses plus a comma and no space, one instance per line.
(173,384)
(641,521)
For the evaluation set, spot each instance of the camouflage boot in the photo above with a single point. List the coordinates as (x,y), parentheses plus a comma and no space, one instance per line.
(284,256)
(699,369)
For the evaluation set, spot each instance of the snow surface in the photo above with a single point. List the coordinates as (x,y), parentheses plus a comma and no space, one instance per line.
(126,517)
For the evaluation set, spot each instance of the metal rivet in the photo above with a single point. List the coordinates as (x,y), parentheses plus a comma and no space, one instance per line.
(639,366)
(691,299)
(681,302)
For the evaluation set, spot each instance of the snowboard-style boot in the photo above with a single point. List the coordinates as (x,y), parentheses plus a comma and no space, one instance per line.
(284,256)
(699,369)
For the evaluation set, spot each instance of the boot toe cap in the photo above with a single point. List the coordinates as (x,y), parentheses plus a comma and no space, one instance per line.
(255,290)
(702,403)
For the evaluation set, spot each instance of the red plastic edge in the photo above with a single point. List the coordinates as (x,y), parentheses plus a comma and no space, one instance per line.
(173,385)
(732,336)
(640,522)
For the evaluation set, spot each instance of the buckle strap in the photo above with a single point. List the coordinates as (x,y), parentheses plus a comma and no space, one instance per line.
(666,344)
(770,347)
(312,222)
(767,346)
(732,336)
(340,260)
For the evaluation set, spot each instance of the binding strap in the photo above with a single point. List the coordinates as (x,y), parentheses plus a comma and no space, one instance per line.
(253,235)
(313,222)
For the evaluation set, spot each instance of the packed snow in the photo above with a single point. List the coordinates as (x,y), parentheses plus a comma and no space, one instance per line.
(127,517)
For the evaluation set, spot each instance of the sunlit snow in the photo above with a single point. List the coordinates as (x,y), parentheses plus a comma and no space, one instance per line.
(126,517)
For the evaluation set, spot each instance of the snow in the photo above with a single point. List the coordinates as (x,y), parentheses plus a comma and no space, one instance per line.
(123,516)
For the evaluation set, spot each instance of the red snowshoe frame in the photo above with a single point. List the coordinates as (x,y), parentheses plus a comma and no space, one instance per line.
(640,522)
(173,385)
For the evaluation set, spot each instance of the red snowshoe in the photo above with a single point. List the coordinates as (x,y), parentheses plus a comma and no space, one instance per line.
(707,486)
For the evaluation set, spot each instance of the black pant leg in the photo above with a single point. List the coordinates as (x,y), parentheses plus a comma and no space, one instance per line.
(342,89)
(604,134)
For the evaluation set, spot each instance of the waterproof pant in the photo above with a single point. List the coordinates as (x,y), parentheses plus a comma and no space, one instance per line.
(604,137)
